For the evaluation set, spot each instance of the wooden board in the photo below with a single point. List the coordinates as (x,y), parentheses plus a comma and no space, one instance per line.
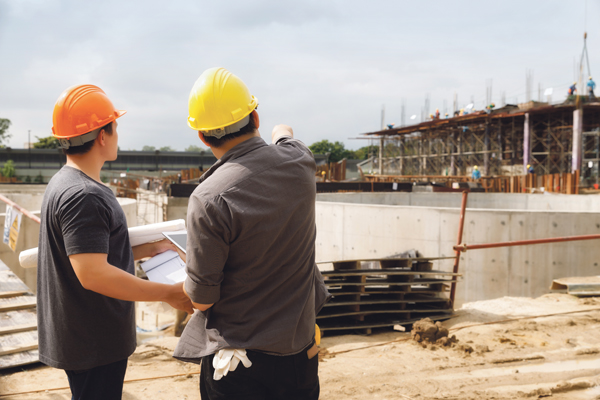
(22,340)
(9,282)
(18,322)
(17,303)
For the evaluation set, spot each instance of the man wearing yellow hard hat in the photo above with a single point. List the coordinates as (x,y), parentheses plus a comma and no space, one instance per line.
(250,252)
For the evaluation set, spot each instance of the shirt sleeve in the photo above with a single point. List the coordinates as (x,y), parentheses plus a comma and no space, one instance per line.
(207,248)
(290,141)
(85,224)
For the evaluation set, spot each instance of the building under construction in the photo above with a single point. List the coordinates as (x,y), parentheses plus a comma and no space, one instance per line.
(554,139)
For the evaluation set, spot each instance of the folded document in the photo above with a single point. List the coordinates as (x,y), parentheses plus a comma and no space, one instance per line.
(165,267)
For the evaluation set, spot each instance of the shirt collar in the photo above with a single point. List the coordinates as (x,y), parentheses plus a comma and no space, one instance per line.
(237,151)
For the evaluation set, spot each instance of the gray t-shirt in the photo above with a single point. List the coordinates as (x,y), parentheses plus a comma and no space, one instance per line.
(251,252)
(77,328)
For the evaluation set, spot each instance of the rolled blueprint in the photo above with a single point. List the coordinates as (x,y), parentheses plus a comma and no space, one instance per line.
(137,235)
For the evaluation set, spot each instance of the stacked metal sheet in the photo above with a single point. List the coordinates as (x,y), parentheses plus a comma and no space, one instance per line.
(386,292)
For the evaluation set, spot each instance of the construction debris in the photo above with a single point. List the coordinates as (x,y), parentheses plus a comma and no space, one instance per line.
(427,331)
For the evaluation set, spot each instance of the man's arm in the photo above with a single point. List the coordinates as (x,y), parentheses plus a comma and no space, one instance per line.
(280,131)
(96,274)
(201,307)
(152,249)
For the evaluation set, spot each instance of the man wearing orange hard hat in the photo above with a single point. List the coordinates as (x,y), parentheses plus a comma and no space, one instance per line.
(86,283)
(251,253)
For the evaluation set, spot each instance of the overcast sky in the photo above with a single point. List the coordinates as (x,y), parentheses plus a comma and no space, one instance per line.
(323,67)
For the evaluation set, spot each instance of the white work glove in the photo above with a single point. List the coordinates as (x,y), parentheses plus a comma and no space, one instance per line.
(227,360)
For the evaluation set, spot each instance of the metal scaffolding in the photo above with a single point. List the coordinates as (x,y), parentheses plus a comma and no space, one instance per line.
(501,142)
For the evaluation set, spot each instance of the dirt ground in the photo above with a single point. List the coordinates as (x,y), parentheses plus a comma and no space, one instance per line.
(507,348)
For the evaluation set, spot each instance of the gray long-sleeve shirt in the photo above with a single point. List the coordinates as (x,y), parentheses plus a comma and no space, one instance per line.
(251,252)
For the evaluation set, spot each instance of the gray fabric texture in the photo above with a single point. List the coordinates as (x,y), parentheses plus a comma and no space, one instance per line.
(251,252)
(79,329)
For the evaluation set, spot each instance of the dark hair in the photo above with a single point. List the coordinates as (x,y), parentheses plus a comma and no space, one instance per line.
(86,147)
(216,143)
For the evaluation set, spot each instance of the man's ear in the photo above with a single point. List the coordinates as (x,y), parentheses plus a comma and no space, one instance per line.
(101,138)
(254,115)
(201,136)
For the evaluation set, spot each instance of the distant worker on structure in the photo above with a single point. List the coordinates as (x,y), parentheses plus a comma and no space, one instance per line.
(437,113)
(530,169)
(250,264)
(86,283)
(391,126)
(476,174)
(591,85)
(572,89)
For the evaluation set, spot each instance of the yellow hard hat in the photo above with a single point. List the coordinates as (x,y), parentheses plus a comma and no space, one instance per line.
(220,103)
(476,167)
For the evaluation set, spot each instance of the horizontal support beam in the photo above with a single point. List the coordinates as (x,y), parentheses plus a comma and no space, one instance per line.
(464,247)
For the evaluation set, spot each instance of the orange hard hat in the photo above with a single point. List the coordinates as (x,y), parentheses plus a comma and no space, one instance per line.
(81,109)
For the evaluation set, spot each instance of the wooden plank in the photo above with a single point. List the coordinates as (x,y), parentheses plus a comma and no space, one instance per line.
(22,305)
(17,328)
(17,349)
(20,317)
(10,282)
(15,293)
(19,359)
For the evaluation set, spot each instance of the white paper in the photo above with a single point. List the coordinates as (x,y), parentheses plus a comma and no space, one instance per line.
(165,267)
(137,235)
(149,233)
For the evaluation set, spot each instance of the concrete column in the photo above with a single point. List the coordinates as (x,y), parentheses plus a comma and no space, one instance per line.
(577,140)
(420,156)
(451,150)
(381,155)
(526,143)
(486,148)
(401,145)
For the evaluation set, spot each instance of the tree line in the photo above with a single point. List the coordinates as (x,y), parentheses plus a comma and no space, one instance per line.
(335,151)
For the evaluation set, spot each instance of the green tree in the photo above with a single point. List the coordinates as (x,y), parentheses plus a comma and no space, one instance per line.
(148,148)
(336,150)
(166,148)
(49,142)
(4,135)
(8,170)
(194,148)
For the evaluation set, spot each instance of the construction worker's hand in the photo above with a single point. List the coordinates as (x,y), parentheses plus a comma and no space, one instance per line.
(279,131)
(152,249)
(177,298)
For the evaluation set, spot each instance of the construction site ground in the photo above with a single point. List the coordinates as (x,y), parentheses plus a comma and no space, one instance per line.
(508,348)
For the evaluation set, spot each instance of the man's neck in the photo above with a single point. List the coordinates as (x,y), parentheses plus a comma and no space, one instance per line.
(86,163)
(230,144)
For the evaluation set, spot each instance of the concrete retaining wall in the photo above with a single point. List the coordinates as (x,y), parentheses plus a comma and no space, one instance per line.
(352,230)
(30,198)
(503,201)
